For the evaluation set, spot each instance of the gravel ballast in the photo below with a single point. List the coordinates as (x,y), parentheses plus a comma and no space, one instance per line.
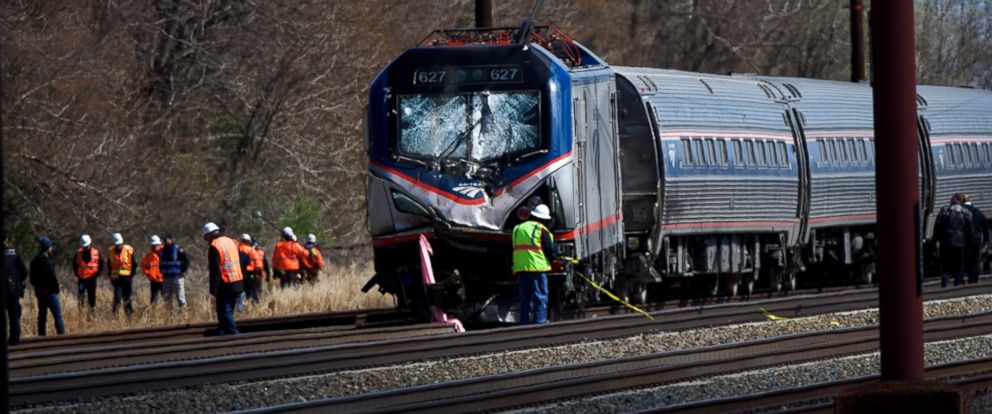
(764,380)
(235,396)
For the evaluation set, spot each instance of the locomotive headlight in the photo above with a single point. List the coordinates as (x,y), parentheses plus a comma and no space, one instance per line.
(633,243)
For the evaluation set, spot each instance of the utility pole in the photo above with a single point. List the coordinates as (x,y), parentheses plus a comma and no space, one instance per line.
(5,376)
(483,14)
(898,232)
(897,183)
(857,40)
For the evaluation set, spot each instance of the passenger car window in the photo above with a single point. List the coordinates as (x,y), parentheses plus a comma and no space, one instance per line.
(761,153)
(711,152)
(773,155)
(822,145)
(749,152)
(785,154)
(721,148)
(700,152)
(738,153)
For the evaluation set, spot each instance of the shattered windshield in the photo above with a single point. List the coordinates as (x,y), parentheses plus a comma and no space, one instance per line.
(479,126)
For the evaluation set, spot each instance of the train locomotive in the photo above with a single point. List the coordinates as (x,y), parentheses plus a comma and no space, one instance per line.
(651,175)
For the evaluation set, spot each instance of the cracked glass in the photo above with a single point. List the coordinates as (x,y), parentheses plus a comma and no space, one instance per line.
(479,126)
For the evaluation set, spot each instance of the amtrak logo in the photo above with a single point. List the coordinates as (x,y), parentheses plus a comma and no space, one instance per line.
(468,191)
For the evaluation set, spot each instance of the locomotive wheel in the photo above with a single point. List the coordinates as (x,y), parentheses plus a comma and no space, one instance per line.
(868,274)
(776,280)
(637,293)
(734,284)
(789,283)
(747,285)
(714,285)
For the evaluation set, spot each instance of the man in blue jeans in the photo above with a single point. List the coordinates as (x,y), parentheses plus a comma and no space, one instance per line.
(533,251)
(46,287)
(224,262)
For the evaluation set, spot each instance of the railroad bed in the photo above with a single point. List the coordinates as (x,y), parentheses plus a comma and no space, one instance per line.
(334,358)
(522,389)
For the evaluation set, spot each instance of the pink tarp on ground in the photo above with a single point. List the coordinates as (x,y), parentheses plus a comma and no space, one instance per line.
(427,271)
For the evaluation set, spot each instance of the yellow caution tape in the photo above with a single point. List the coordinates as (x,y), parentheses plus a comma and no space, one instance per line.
(772,317)
(607,292)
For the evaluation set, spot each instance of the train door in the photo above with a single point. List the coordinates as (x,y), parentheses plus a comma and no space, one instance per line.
(597,168)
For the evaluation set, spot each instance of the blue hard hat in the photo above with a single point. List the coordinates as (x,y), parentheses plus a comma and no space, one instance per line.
(45,243)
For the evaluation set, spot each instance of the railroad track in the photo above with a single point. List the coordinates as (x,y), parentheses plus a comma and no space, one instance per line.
(292,362)
(527,388)
(972,376)
(365,317)
(26,364)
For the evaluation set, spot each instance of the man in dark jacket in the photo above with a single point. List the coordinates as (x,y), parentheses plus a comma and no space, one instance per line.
(953,230)
(979,238)
(224,262)
(173,265)
(46,287)
(17,273)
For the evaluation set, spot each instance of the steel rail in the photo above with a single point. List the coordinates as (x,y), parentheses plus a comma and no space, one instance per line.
(254,366)
(77,359)
(200,330)
(972,375)
(520,389)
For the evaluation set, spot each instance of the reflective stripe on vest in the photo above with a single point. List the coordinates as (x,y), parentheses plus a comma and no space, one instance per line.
(122,263)
(230,262)
(169,263)
(527,253)
(86,270)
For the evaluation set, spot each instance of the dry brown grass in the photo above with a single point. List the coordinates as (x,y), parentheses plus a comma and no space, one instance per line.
(339,289)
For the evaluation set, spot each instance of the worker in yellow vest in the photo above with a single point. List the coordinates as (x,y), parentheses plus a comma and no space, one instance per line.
(533,251)
(121,268)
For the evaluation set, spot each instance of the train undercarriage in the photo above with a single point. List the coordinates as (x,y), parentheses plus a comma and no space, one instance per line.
(474,282)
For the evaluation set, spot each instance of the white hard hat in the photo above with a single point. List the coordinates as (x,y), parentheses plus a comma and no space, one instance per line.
(246,237)
(541,212)
(311,238)
(85,240)
(117,238)
(292,236)
(288,231)
(155,241)
(209,228)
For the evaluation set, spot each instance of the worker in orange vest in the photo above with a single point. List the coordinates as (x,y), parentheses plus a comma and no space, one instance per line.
(259,257)
(150,267)
(286,258)
(314,261)
(254,270)
(87,265)
(224,262)
(121,268)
